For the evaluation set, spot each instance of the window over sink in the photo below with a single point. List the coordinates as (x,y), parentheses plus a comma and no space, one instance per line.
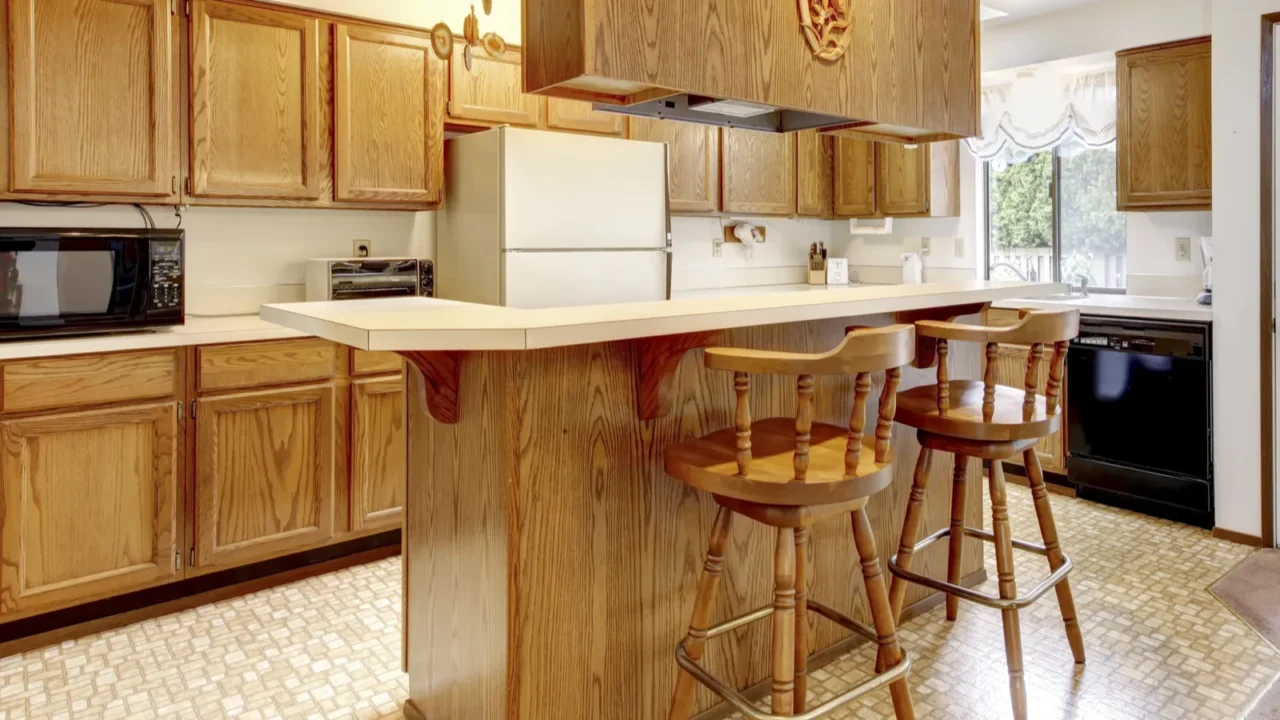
(1051,216)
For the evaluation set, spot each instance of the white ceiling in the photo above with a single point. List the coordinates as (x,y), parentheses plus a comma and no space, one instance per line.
(1019,9)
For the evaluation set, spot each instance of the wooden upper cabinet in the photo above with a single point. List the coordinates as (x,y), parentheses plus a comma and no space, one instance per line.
(918,180)
(378,460)
(255,102)
(693,154)
(813,174)
(855,178)
(264,474)
(389,125)
(578,116)
(492,91)
(1164,148)
(91,107)
(89,505)
(758,172)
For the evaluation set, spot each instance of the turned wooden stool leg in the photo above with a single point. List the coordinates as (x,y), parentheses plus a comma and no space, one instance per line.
(1008,589)
(890,652)
(703,605)
(1049,532)
(910,530)
(959,489)
(784,622)
(802,620)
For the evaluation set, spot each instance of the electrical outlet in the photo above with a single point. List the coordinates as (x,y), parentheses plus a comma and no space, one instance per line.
(959,247)
(1184,249)
(925,244)
(717,246)
(362,248)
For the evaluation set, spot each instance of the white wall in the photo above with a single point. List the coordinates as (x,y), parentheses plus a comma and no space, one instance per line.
(238,258)
(1236,229)
(1104,26)
(505,19)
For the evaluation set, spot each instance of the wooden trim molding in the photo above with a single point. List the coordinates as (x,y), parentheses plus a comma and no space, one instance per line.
(442,376)
(657,359)
(1266,271)
(1237,537)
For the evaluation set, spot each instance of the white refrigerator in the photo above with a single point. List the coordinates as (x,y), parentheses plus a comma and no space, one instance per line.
(537,219)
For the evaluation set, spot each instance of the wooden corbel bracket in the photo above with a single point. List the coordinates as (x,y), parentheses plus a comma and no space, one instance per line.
(657,359)
(442,377)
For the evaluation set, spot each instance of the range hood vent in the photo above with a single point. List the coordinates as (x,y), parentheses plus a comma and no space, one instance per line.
(730,113)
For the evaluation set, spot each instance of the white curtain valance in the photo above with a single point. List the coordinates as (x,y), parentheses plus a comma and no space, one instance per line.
(1040,110)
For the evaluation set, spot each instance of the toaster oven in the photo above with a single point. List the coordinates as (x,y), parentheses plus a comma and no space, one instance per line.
(355,278)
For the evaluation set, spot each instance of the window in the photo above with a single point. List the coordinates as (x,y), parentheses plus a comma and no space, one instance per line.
(1051,216)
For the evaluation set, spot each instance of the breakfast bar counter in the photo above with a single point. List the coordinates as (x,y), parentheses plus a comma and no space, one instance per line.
(550,563)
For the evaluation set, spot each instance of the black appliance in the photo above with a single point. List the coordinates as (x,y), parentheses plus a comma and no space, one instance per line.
(57,281)
(1140,416)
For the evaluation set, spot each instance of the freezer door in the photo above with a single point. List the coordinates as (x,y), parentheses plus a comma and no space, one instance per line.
(565,191)
(561,279)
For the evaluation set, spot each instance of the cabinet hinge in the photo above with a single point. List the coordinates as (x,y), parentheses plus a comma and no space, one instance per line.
(177,561)
(193,409)
(179,409)
(173,7)
(187,8)
(191,559)
(189,192)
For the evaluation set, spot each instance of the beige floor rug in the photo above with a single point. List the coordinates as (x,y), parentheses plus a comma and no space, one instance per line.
(1252,591)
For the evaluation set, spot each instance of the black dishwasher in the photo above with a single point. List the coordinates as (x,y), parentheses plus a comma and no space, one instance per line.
(1140,416)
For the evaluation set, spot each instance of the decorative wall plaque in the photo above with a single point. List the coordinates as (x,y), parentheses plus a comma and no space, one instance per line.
(825,24)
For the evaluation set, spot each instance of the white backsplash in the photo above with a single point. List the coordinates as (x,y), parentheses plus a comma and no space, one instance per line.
(781,260)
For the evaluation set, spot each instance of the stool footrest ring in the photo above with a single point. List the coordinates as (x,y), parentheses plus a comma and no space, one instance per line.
(981,598)
(745,706)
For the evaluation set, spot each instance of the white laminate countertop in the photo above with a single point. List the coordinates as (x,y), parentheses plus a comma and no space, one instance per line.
(197,331)
(1132,306)
(428,324)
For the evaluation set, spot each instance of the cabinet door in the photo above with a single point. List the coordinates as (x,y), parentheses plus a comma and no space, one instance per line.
(903,183)
(1011,370)
(378,460)
(264,474)
(758,172)
(578,116)
(90,505)
(813,174)
(855,178)
(693,156)
(389,129)
(255,102)
(91,97)
(492,91)
(1164,149)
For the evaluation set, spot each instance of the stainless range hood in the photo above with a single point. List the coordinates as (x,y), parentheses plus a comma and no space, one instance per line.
(897,70)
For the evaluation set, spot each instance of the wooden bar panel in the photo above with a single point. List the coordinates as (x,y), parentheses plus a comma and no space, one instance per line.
(364,362)
(83,380)
(226,367)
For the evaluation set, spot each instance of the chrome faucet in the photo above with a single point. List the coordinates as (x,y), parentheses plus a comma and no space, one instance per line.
(1084,285)
(1011,268)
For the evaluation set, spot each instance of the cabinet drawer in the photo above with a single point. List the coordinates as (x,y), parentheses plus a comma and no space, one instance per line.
(225,367)
(364,362)
(84,380)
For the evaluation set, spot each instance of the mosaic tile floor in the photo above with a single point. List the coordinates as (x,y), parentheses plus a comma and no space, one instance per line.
(1159,645)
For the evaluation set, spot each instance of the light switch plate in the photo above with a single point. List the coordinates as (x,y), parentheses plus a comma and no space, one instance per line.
(959,247)
(1184,249)
(925,244)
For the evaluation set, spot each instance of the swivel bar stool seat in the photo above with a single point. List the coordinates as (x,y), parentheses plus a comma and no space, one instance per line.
(789,473)
(973,419)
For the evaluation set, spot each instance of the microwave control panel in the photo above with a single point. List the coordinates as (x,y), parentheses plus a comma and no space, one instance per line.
(166,275)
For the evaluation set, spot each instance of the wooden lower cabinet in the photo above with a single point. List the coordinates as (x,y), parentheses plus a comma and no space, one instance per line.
(90,505)
(264,481)
(1011,370)
(377,453)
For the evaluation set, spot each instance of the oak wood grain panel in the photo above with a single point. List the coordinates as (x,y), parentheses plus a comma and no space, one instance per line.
(264,474)
(813,174)
(902,182)
(1164,143)
(389,132)
(854,178)
(82,380)
(364,362)
(757,172)
(90,505)
(693,154)
(577,115)
(255,102)
(1011,370)
(90,98)
(227,367)
(944,179)
(565,473)
(377,454)
(492,92)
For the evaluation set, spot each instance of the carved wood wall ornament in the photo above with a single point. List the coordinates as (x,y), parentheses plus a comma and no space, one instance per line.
(825,24)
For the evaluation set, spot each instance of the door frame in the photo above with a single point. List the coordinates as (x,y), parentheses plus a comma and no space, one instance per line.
(1267,279)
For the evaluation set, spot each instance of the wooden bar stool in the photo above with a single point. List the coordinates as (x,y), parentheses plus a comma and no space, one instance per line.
(789,473)
(993,422)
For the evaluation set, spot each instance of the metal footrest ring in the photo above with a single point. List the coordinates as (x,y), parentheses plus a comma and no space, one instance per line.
(981,598)
(747,708)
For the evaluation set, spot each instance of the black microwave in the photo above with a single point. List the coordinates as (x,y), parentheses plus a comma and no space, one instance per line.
(56,281)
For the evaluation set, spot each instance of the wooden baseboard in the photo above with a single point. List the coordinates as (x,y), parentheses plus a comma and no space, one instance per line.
(1237,537)
(822,657)
(55,627)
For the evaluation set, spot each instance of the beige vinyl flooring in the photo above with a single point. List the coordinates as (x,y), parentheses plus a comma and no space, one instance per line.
(1159,644)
